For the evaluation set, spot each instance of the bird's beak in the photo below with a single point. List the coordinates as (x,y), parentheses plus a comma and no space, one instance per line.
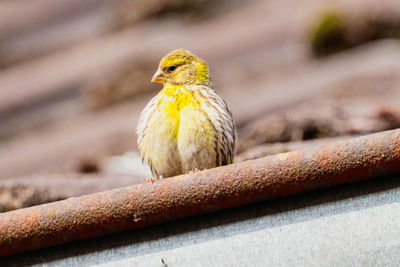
(158,77)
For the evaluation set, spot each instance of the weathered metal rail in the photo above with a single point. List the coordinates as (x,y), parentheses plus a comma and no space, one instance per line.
(220,188)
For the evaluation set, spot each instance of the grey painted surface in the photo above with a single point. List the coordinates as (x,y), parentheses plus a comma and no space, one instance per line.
(355,224)
(369,237)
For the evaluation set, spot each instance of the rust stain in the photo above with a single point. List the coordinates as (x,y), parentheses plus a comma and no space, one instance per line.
(220,188)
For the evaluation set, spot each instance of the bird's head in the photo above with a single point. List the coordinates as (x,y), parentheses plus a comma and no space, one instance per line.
(182,67)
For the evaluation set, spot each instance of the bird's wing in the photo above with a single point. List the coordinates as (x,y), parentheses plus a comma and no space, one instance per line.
(222,119)
(144,120)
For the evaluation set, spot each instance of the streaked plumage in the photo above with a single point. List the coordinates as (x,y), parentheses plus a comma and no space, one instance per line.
(187,125)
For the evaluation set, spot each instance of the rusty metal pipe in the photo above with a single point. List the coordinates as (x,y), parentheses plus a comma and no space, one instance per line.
(220,188)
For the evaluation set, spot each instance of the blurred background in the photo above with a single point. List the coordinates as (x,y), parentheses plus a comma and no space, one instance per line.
(75,75)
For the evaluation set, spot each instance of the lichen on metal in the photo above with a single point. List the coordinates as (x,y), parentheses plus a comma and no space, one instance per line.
(181,196)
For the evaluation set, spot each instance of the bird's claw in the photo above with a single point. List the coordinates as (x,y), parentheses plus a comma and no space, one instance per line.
(195,170)
(153,179)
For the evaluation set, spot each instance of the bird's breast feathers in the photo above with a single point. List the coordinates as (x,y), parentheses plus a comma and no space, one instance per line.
(182,121)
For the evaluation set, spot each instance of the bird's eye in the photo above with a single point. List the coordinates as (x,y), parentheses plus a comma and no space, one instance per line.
(171,68)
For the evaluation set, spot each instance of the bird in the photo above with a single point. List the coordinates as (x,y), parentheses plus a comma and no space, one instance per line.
(187,126)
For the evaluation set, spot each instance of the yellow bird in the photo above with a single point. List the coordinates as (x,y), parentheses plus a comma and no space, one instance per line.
(187,125)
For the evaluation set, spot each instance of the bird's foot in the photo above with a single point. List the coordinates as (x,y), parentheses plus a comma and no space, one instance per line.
(153,179)
(195,170)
